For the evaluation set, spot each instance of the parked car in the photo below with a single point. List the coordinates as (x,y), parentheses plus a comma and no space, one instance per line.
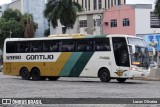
(153,64)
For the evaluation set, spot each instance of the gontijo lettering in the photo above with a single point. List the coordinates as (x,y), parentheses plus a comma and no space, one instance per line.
(39,57)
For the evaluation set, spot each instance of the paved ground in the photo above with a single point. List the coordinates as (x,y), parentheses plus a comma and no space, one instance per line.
(14,87)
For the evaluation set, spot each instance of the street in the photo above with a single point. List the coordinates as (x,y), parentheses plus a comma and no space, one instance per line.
(15,87)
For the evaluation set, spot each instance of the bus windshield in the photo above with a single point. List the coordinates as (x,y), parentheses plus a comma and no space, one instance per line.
(141,57)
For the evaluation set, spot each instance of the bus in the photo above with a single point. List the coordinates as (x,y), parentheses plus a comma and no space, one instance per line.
(106,57)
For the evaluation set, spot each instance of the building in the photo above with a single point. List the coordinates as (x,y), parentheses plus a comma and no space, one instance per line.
(89,21)
(138,19)
(33,7)
(91,5)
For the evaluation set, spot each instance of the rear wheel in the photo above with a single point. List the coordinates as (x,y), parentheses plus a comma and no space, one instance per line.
(104,75)
(35,74)
(53,78)
(121,80)
(24,73)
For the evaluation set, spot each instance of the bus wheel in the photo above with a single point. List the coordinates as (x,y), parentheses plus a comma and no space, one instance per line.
(104,75)
(24,73)
(35,74)
(53,78)
(121,80)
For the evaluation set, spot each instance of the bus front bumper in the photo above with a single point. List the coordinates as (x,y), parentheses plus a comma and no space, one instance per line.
(135,74)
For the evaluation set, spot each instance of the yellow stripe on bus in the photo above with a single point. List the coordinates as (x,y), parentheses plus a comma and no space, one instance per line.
(59,64)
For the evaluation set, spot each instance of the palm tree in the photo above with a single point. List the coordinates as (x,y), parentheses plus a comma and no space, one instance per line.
(64,10)
(157,8)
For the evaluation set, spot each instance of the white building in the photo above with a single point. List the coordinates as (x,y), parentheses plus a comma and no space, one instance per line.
(89,21)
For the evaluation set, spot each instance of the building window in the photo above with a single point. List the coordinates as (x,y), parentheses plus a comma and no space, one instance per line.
(126,22)
(100,4)
(108,4)
(86,5)
(97,22)
(119,2)
(113,23)
(82,4)
(155,21)
(95,4)
(111,3)
(89,4)
(105,3)
(83,23)
(115,2)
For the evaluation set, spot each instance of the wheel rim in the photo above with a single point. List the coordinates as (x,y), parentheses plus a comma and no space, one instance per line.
(24,73)
(104,75)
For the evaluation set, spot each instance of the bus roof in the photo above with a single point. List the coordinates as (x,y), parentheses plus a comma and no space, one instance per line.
(70,36)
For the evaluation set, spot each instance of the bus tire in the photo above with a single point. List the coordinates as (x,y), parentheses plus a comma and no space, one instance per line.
(104,75)
(121,80)
(53,78)
(35,74)
(25,74)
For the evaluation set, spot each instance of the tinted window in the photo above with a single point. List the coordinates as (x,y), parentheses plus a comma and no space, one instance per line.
(120,51)
(66,45)
(85,45)
(50,46)
(11,47)
(36,46)
(23,47)
(102,44)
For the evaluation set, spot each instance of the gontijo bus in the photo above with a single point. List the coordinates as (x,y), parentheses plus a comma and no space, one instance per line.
(105,56)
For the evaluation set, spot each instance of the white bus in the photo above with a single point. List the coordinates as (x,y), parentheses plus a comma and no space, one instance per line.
(105,56)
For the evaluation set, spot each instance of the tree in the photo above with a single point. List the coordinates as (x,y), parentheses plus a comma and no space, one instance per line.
(13,21)
(157,8)
(30,25)
(64,10)
(10,14)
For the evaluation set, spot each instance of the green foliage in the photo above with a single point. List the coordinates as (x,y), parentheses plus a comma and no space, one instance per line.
(47,32)
(65,10)
(157,8)
(14,21)
(10,14)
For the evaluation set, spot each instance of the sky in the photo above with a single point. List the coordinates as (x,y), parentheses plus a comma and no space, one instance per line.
(127,1)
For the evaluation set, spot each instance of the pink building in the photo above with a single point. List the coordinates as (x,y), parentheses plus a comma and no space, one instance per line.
(129,19)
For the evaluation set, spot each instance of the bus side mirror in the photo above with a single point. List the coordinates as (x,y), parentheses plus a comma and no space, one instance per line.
(132,49)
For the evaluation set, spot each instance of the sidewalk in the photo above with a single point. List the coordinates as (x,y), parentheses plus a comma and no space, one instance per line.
(154,75)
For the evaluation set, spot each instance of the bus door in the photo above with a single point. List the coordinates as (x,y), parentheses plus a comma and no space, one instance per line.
(121,54)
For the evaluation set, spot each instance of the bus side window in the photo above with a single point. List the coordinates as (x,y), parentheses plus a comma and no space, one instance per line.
(102,44)
(85,45)
(50,46)
(23,47)
(36,46)
(11,47)
(66,45)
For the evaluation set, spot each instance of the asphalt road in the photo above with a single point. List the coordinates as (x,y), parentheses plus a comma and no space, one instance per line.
(15,87)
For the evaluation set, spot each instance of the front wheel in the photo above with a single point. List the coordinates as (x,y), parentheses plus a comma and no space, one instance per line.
(121,80)
(104,75)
